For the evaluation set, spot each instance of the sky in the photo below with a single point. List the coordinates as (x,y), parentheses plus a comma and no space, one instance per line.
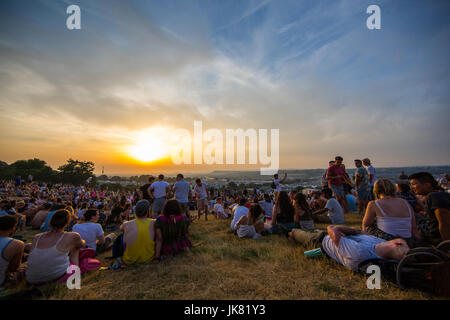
(311,69)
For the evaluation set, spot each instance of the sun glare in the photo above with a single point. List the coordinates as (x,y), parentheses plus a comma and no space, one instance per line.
(150,145)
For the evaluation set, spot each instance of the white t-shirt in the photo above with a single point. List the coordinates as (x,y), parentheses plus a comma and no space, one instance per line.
(159,189)
(352,250)
(277,185)
(239,212)
(201,191)
(336,212)
(89,232)
(371,170)
(219,209)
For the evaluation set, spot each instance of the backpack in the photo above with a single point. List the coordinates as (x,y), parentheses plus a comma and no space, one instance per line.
(117,247)
(423,268)
(273,186)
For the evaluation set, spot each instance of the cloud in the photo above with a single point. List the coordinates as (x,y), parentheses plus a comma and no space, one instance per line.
(310,69)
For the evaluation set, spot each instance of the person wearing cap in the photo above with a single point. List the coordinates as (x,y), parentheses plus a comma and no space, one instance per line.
(139,236)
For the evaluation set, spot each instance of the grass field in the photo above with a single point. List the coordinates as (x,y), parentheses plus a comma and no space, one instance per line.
(222,266)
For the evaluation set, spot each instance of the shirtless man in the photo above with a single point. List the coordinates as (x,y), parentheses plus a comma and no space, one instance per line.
(40,216)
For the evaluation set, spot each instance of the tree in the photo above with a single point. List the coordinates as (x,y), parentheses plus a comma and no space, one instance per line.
(36,167)
(76,172)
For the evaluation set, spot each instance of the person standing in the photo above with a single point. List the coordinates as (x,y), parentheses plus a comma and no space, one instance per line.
(160,190)
(201,194)
(147,192)
(277,182)
(362,186)
(324,180)
(372,176)
(336,176)
(182,189)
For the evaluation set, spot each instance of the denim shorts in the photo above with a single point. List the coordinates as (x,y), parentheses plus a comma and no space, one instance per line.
(158,204)
(363,193)
(338,191)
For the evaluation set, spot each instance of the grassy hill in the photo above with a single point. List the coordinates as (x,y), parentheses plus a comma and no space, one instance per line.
(222,266)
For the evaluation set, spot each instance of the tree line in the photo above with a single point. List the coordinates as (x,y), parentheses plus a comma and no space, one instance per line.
(73,171)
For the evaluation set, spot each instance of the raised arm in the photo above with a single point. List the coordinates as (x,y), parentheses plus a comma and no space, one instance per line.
(337,232)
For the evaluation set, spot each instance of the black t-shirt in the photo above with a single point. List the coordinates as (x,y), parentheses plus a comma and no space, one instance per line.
(429,225)
(145,193)
(116,211)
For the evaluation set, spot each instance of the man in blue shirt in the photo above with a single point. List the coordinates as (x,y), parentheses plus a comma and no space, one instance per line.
(350,247)
(182,189)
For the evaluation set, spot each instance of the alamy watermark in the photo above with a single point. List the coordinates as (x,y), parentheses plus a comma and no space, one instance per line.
(73,21)
(374,20)
(374,281)
(74,280)
(213,147)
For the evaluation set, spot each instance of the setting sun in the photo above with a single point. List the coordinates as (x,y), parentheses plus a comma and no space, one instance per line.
(150,145)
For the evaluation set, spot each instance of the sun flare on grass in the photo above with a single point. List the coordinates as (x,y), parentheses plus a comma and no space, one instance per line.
(150,145)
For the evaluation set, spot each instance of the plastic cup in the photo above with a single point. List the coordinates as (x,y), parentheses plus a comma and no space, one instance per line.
(313,253)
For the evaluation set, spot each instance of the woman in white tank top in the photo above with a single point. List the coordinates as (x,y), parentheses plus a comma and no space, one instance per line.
(49,257)
(389,217)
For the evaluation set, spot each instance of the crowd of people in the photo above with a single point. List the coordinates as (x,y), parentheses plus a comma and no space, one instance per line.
(143,225)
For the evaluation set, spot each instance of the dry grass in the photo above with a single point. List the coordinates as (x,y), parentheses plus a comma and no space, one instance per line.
(226,267)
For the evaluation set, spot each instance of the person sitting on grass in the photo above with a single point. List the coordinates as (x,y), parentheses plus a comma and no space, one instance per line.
(11,249)
(351,200)
(303,212)
(349,246)
(126,215)
(53,251)
(389,217)
(404,192)
(434,225)
(139,236)
(219,211)
(40,216)
(283,215)
(251,226)
(8,209)
(172,230)
(267,207)
(335,212)
(239,211)
(92,232)
(318,202)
